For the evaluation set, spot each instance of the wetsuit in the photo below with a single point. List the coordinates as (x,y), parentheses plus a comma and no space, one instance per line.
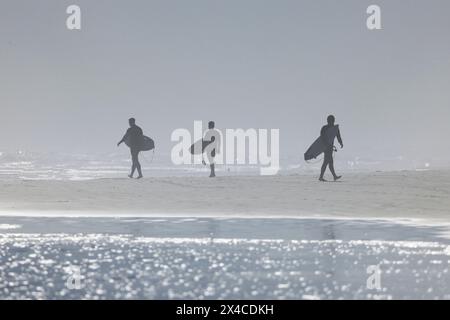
(328,153)
(134,137)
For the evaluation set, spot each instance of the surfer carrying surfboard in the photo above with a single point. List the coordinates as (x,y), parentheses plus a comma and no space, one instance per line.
(134,138)
(212,139)
(328,133)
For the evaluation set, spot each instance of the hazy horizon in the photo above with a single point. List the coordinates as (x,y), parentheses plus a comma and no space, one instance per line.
(245,64)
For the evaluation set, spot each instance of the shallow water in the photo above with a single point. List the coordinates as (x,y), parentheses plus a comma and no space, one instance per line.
(66,166)
(207,258)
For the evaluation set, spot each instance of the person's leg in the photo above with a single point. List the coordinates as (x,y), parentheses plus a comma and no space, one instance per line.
(331,166)
(211,163)
(138,166)
(322,170)
(326,161)
(133,164)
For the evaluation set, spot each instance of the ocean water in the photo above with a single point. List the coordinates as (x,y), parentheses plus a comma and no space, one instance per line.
(208,258)
(63,166)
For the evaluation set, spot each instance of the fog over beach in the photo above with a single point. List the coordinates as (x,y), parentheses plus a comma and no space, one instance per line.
(74,226)
(283,65)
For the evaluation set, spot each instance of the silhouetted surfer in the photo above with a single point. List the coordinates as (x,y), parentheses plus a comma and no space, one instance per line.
(328,133)
(133,138)
(213,136)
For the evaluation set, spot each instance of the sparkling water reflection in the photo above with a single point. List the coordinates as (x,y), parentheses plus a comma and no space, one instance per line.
(179,258)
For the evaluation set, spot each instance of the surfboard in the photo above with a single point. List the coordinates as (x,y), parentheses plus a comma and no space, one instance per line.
(146,145)
(199,146)
(319,146)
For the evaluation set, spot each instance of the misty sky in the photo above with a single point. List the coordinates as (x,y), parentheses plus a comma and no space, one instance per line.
(245,64)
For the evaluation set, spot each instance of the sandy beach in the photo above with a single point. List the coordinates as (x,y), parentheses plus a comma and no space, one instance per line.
(408,194)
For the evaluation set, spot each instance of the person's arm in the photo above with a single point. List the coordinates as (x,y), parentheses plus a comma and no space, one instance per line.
(339,138)
(124,138)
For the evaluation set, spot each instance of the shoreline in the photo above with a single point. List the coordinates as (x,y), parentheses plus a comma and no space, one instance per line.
(413,221)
